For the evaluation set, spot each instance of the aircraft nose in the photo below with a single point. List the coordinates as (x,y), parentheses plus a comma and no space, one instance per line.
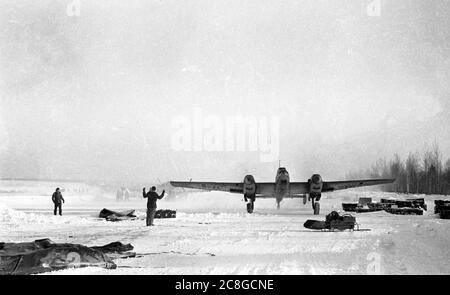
(316,178)
(249,179)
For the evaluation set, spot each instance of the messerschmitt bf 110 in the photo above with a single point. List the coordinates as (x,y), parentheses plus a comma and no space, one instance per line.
(282,188)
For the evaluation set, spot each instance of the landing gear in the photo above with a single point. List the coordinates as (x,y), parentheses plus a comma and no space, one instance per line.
(317,209)
(250,207)
(315,206)
(250,203)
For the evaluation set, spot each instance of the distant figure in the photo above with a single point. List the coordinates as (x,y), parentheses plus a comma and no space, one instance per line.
(119,194)
(57,198)
(122,194)
(126,194)
(152,197)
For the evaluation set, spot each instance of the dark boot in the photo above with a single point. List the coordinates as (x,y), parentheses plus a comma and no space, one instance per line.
(148,217)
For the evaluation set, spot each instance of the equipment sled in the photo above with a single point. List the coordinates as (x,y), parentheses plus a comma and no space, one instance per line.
(334,222)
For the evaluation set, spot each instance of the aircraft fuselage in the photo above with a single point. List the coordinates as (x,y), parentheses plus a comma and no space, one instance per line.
(281,185)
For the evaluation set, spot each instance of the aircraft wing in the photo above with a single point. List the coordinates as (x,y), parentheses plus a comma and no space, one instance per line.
(300,188)
(230,187)
(267,189)
(338,185)
(263,189)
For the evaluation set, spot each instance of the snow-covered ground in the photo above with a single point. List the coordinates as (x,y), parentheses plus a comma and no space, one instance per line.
(213,234)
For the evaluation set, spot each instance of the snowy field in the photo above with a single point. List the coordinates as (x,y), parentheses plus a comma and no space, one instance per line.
(213,234)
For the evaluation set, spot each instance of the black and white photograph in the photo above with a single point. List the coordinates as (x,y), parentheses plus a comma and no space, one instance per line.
(210,138)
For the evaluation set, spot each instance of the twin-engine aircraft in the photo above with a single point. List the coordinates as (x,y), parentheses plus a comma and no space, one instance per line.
(281,188)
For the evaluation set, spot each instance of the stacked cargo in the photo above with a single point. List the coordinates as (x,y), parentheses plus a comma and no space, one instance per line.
(375,206)
(363,205)
(442,207)
(404,210)
(406,207)
(402,207)
(388,202)
(418,203)
(166,214)
(349,207)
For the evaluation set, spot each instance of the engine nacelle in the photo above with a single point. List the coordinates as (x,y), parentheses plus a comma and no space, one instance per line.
(315,186)
(249,187)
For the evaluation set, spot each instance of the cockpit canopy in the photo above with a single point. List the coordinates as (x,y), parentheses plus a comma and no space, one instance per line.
(282,170)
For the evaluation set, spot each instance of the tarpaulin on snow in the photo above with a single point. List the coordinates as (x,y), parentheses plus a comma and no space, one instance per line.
(117,216)
(44,255)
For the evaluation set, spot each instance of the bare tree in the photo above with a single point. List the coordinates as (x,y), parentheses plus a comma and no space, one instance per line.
(437,163)
(397,170)
(446,178)
(412,173)
(427,171)
(380,169)
(426,175)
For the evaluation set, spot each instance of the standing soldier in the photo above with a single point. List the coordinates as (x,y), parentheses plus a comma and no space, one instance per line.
(126,194)
(57,198)
(152,197)
(119,194)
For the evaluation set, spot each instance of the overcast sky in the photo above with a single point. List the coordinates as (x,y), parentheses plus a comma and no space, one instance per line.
(94,95)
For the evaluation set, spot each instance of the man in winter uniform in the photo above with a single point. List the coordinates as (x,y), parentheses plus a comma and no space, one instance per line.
(152,197)
(57,198)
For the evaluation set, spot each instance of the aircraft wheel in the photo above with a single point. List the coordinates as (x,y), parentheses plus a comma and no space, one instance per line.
(250,207)
(316,208)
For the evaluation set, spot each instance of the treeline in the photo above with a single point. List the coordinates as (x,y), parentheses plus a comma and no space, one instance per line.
(419,173)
